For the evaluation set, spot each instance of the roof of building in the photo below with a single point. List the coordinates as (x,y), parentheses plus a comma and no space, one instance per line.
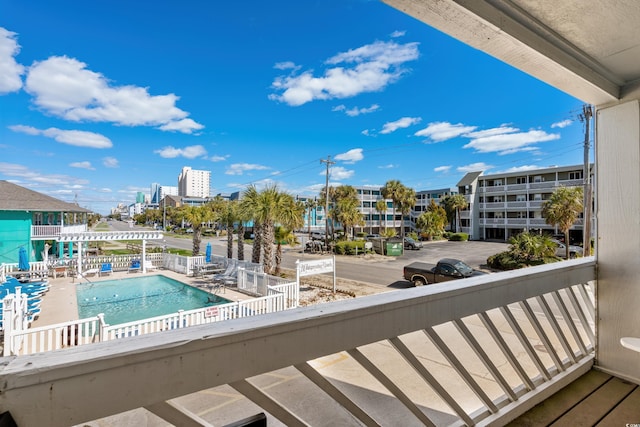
(469,178)
(16,198)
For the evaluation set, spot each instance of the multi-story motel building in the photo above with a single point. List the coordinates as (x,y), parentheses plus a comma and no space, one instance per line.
(502,205)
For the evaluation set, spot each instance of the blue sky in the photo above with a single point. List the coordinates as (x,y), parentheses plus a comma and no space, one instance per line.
(100,99)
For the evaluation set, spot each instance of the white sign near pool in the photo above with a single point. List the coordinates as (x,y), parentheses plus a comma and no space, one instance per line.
(318,266)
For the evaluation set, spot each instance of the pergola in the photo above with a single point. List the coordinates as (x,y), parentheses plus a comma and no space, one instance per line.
(110,236)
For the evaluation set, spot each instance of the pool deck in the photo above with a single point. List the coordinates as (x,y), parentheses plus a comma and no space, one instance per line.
(59,304)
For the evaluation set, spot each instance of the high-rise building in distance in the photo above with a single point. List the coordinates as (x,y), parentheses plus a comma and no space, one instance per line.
(194,183)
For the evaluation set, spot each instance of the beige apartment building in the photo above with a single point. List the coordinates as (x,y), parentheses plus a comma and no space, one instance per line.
(502,205)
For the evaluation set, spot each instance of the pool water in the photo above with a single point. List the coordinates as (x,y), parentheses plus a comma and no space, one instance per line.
(127,300)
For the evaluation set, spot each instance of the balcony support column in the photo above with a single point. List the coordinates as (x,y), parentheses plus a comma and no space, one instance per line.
(618,245)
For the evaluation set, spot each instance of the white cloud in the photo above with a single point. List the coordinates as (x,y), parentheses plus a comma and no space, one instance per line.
(241,168)
(389,166)
(474,167)
(64,87)
(82,165)
(190,152)
(355,111)
(402,123)
(441,131)
(397,34)
(508,143)
(366,132)
(10,71)
(339,173)
(76,138)
(443,169)
(562,124)
(351,156)
(286,65)
(369,68)
(219,158)
(110,162)
(502,129)
(20,171)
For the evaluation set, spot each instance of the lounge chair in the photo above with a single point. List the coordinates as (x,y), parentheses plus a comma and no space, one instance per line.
(135,266)
(105,269)
(229,277)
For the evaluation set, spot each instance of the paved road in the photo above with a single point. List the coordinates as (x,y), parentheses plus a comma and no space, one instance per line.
(385,272)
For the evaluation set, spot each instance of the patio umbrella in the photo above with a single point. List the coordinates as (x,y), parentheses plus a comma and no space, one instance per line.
(207,256)
(23,260)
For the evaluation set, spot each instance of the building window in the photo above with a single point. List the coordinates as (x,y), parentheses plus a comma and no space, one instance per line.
(537,178)
(521,180)
(521,214)
(521,198)
(575,175)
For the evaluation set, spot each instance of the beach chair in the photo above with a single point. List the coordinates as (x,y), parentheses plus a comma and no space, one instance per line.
(135,266)
(105,269)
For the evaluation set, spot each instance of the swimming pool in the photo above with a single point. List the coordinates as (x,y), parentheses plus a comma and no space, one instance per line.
(127,300)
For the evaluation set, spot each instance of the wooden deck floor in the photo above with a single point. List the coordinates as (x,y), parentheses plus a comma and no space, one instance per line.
(595,399)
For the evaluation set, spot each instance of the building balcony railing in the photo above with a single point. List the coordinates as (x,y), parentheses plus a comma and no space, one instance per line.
(40,232)
(492,205)
(475,351)
(548,185)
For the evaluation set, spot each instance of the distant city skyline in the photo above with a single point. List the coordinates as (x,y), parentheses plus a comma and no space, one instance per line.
(97,104)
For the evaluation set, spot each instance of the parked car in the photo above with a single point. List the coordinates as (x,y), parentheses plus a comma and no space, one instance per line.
(561,250)
(421,273)
(410,243)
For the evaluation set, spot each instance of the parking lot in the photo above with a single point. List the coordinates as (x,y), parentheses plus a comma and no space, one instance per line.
(474,253)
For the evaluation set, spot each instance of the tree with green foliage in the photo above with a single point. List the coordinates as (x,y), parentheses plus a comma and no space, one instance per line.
(453,204)
(525,249)
(563,209)
(269,207)
(310,205)
(432,221)
(381,208)
(406,203)
(345,208)
(393,190)
(282,235)
(197,216)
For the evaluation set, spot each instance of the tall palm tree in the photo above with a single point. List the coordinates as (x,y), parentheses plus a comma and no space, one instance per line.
(454,204)
(563,209)
(269,206)
(228,215)
(406,202)
(345,207)
(196,216)
(249,201)
(282,234)
(310,206)
(392,190)
(381,207)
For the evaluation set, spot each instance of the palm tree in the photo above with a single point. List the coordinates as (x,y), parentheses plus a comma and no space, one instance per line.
(381,207)
(227,215)
(345,207)
(454,204)
(249,201)
(268,207)
(406,202)
(563,209)
(310,205)
(196,216)
(392,190)
(432,221)
(282,234)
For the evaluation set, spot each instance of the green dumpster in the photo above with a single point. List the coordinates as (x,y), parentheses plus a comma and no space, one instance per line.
(394,248)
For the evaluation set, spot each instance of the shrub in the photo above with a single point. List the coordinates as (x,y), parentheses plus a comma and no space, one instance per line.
(459,237)
(349,247)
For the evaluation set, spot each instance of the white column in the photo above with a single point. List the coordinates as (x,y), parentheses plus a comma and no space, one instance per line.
(617,243)
(144,255)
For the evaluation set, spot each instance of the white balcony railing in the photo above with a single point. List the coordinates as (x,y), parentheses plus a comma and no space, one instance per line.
(477,351)
(52,231)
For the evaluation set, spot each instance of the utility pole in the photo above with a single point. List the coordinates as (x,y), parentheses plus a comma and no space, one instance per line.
(586,228)
(328,162)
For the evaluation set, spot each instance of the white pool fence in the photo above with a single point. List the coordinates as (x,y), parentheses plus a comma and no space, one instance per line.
(273,294)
